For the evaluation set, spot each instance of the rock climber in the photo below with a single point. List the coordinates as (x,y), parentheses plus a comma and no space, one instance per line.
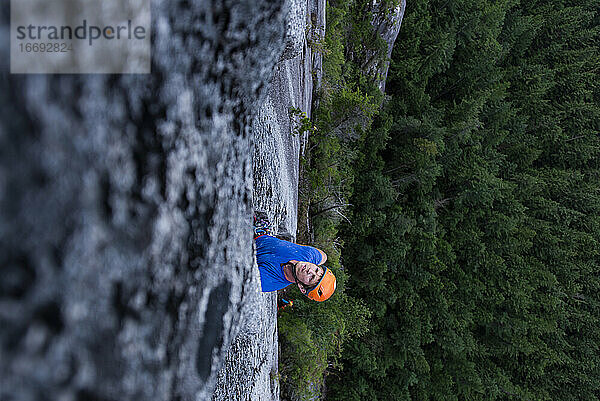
(282,263)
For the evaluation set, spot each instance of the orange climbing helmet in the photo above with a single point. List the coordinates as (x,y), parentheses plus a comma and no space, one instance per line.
(324,288)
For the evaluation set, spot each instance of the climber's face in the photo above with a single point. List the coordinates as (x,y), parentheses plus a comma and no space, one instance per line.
(308,273)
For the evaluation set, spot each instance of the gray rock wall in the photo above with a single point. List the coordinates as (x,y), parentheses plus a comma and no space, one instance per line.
(125,210)
(388,27)
(386,24)
(276,159)
(250,371)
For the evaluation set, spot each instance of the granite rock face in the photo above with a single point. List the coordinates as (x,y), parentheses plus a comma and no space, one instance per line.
(250,371)
(125,210)
(387,26)
(295,28)
(386,22)
(277,140)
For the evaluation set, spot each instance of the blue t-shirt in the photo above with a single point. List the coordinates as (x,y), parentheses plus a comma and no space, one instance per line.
(272,252)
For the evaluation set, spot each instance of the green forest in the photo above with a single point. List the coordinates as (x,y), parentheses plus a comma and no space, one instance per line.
(469,248)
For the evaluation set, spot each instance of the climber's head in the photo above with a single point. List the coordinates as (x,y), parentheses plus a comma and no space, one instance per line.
(316,282)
